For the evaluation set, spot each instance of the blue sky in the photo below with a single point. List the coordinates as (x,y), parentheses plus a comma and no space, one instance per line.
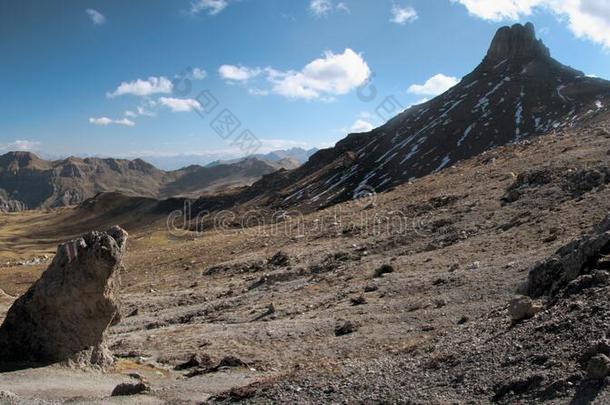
(98,77)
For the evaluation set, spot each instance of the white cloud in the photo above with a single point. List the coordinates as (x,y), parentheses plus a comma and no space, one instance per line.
(139,87)
(361,126)
(403,15)
(434,86)
(96,17)
(105,121)
(213,7)
(343,7)
(145,113)
(237,73)
(498,10)
(333,74)
(21,145)
(180,104)
(588,19)
(199,74)
(323,78)
(321,7)
(324,7)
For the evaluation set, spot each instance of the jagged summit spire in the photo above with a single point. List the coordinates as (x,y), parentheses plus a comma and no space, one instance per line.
(517,42)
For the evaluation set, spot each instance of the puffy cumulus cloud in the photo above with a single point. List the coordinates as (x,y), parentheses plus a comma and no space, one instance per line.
(498,10)
(237,73)
(320,7)
(325,77)
(212,7)
(434,86)
(140,87)
(324,7)
(199,74)
(96,17)
(403,15)
(180,104)
(105,121)
(589,19)
(361,125)
(21,145)
(333,74)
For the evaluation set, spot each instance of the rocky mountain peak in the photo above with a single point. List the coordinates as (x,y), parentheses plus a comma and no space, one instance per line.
(518,42)
(517,92)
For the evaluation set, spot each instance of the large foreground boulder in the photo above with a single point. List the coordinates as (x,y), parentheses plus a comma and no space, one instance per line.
(63,317)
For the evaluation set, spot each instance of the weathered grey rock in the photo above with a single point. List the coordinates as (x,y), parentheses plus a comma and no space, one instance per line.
(125,389)
(65,314)
(569,262)
(8,398)
(280,259)
(598,367)
(522,307)
(345,328)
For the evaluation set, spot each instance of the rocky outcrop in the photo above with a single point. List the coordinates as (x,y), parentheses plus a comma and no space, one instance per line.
(517,42)
(522,307)
(11,205)
(583,258)
(63,317)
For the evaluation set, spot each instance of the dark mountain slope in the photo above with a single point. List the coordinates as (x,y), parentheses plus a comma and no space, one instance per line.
(517,91)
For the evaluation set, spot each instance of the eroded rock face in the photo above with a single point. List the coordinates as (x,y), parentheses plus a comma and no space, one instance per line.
(518,41)
(583,257)
(65,314)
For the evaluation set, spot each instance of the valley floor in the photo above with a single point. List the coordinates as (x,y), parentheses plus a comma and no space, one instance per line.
(319,324)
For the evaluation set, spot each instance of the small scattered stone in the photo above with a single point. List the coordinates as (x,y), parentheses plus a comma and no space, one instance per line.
(370,288)
(474,266)
(125,389)
(345,328)
(439,281)
(360,300)
(463,320)
(454,267)
(280,259)
(522,307)
(196,360)
(440,302)
(230,361)
(385,269)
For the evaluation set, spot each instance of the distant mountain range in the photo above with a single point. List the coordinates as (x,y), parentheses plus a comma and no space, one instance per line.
(27,181)
(175,162)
